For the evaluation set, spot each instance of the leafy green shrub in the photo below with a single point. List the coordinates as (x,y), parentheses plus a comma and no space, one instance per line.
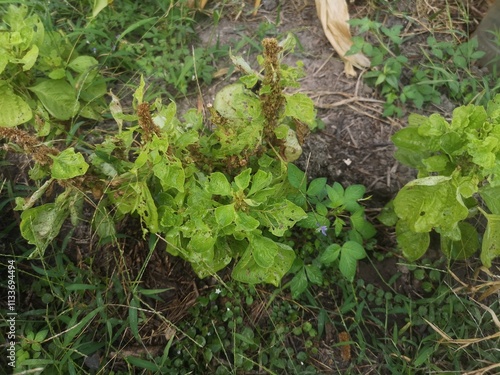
(212,196)
(335,231)
(43,81)
(458,165)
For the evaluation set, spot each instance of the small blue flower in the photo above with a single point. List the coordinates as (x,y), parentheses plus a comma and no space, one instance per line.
(322,229)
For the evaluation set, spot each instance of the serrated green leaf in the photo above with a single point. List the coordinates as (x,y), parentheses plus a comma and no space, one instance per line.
(58,97)
(68,164)
(413,244)
(219,185)
(15,110)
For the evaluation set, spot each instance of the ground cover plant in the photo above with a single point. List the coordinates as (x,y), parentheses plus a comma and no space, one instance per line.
(151,238)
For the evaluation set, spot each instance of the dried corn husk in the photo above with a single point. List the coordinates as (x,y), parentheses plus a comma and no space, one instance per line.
(334,15)
(198,4)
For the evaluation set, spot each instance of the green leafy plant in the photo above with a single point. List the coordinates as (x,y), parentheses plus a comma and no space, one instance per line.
(335,231)
(444,68)
(211,195)
(458,179)
(43,80)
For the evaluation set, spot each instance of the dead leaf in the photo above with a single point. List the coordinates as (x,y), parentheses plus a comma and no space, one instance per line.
(334,15)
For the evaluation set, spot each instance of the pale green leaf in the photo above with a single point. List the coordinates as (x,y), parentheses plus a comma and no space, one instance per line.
(219,185)
(99,5)
(301,107)
(14,110)
(491,241)
(82,64)
(413,244)
(68,164)
(58,97)
(243,179)
(29,58)
(264,250)
(225,215)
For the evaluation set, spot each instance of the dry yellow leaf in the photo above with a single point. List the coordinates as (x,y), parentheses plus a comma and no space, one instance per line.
(334,15)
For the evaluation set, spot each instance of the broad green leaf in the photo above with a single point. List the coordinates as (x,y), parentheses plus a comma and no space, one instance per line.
(314,274)
(40,225)
(260,180)
(313,221)
(225,215)
(248,271)
(413,244)
(330,254)
(58,97)
(202,242)
(296,177)
(491,241)
(336,195)
(98,6)
(429,203)
(347,265)
(219,185)
(387,216)
(351,196)
(29,58)
(280,216)
(301,107)
(316,187)
(359,222)
(242,180)
(14,110)
(4,60)
(354,249)
(491,196)
(463,248)
(68,164)
(170,176)
(245,222)
(82,64)
(264,250)
(146,206)
(298,284)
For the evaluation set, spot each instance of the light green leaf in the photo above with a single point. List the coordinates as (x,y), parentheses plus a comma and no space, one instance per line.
(264,250)
(68,164)
(225,215)
(301,107)
(248,271)
(463,248)
(491,196)
(430,203)
(245,222)
(29,58)
(491,240)
(260,180)
(351,196)
(98,6)
(40,225)
(243,179)
(336,195)
(347,266)
(219,185)
(4,60)
(58,97)
(413,244)
(14,110)
(82,64)
(362,226)
(298,284)
(354,249)
(280,216)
